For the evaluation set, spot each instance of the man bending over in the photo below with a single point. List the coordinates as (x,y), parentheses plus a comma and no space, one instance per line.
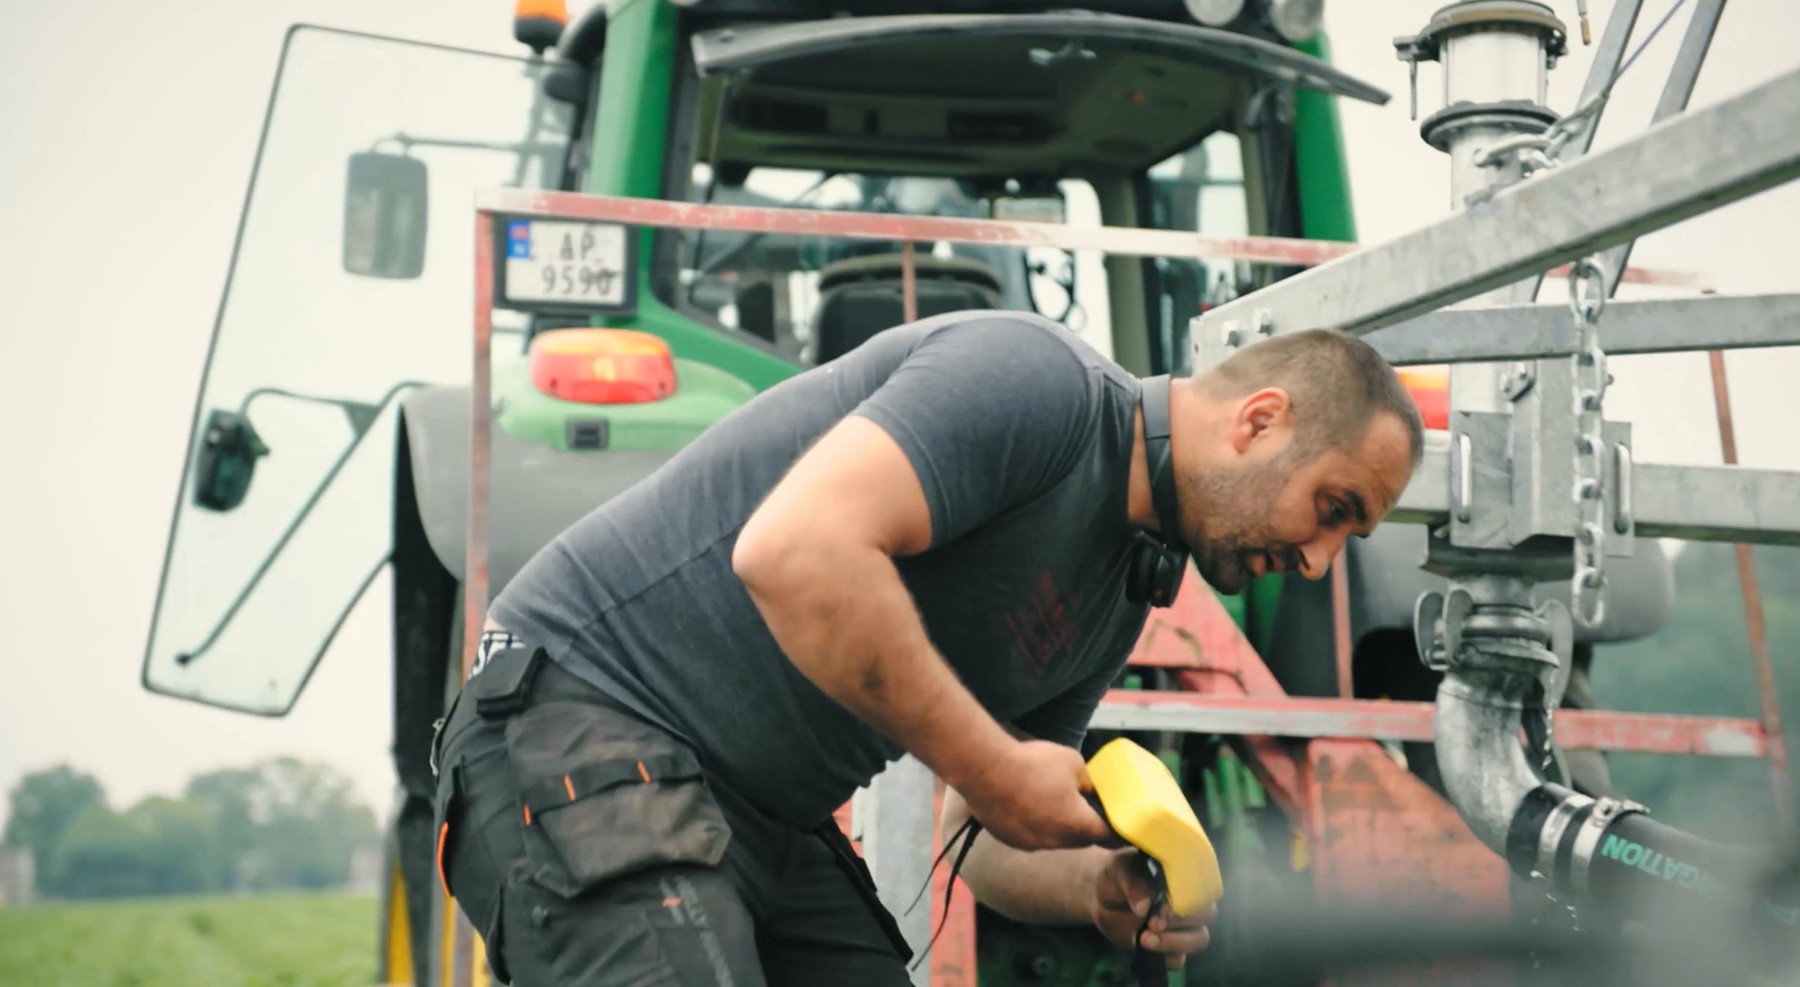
(926,546)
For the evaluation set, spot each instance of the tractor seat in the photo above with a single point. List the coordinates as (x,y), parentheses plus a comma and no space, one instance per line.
(862,296)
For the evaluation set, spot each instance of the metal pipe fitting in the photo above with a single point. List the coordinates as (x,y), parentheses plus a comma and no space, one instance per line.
(1505,667)
(1479,713)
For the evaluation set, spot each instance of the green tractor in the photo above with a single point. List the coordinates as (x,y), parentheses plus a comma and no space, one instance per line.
(319,465)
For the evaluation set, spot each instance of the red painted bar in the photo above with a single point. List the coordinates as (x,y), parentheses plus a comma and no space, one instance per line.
(475,559)
(1118,241)
(1298,716)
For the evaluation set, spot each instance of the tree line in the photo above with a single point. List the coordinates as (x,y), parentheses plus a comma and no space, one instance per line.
(282,824)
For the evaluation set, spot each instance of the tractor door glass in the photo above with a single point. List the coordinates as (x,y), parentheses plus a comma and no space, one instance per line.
(1201,189)
(351,281)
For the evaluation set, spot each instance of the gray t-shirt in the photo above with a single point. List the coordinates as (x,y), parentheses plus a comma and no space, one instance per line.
(1021,435)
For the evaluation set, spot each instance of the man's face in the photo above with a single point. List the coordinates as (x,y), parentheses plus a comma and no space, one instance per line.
(1280,507)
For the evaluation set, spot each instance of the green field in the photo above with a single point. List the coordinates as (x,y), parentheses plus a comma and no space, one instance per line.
(263,941)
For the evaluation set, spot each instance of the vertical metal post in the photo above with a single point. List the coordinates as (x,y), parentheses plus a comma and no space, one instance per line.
(461,945)
(909,279)
(1496,80)
(1496,59)
(475,553)
(1753,614)
(897,843)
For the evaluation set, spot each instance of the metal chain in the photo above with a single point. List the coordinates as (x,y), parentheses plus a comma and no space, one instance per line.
(1587,298)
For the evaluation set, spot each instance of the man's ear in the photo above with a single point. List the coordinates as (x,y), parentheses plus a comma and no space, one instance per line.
(1258,415)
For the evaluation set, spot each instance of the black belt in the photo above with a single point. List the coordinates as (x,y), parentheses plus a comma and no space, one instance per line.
(510,676)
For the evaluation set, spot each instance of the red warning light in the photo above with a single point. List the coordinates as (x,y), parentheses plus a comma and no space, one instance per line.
(602,366)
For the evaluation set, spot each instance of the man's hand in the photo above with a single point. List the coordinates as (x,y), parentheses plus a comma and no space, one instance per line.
(1031,799)
(1122,895)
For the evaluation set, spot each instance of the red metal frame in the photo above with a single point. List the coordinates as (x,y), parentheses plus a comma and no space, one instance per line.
(1368,719)
(481,403)
(1374,831)
(1753,612)
(1114,240)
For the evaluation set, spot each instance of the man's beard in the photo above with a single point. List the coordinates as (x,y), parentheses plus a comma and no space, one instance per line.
(1237,508)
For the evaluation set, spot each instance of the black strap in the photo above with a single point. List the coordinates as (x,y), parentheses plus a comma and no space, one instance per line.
(863,883)
(970,829)
(1155,403)
(1150,969)
(591,779)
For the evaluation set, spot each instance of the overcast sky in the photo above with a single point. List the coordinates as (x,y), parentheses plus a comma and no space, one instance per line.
(127,132)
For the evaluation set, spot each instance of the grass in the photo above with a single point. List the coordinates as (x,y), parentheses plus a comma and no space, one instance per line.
(298,940)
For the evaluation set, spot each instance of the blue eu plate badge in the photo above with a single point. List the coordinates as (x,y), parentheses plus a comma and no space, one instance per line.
(518,239)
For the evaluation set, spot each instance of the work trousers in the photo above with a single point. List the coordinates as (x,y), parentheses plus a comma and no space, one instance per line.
(591,848)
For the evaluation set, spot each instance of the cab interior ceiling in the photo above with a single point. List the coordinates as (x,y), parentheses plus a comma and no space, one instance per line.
(737,11)
(977,107)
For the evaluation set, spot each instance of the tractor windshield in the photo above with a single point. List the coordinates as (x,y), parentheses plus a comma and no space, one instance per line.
(816,298)
(1061,118)
(351,281)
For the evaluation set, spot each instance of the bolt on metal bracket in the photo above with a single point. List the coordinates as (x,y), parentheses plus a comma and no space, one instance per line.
(1518,380)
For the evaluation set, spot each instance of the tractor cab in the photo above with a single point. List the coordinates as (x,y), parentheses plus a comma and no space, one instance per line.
(331,433)
(1058,117)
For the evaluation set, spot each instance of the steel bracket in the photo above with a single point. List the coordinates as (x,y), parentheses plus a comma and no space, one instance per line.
(1481,480)
(1480,333)
(1511,477)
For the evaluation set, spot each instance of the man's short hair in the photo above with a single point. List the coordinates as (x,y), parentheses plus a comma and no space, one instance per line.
(1336,382)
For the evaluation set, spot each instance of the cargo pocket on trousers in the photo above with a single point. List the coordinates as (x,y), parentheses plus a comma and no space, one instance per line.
(606,796)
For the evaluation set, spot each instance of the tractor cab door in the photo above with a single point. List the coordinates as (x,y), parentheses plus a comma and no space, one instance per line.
(350,284)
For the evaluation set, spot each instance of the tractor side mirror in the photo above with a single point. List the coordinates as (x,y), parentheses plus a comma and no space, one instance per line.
(229,449)
(385,199)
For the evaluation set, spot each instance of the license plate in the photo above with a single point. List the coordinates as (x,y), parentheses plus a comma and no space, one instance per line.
(558,264)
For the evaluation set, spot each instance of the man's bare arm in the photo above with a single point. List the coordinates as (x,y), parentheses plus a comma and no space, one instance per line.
(1046,887)
(817,558)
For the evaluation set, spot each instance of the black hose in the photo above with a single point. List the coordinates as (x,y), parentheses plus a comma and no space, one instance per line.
(1637,858)
(1739,901)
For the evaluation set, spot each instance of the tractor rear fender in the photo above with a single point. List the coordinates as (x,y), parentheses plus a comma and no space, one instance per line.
(535,491)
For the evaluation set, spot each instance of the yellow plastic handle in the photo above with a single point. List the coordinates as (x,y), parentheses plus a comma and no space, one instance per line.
(1147,808)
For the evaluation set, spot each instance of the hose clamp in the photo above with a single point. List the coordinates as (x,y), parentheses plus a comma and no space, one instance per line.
(1606,810)
(1551,836)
